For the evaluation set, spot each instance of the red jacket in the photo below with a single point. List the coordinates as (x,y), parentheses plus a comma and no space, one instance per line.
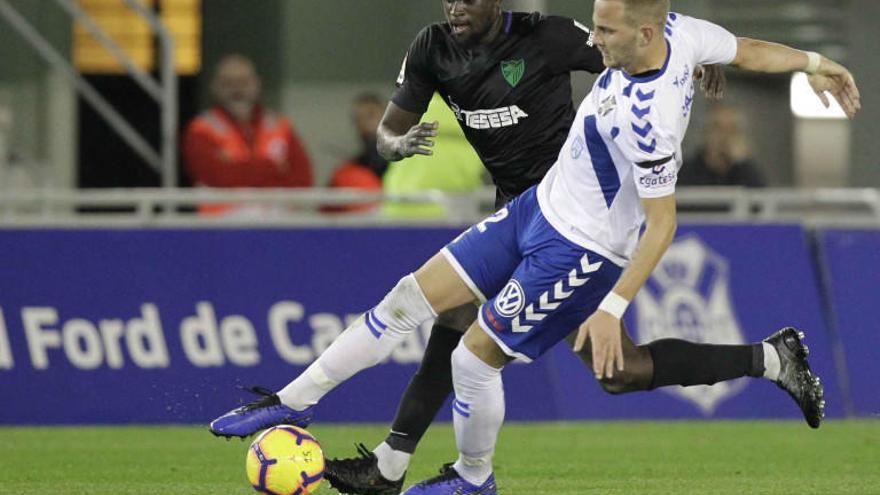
(221,153)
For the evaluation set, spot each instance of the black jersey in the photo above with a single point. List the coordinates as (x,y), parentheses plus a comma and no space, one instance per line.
(512,97)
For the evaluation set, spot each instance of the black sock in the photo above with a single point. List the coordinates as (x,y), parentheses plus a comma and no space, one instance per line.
(679,362)
(426,392)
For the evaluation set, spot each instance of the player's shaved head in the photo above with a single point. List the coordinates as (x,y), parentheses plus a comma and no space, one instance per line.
(629,33)
(640,12)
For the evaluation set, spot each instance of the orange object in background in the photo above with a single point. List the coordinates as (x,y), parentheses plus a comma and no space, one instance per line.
(351,175)
(221,153)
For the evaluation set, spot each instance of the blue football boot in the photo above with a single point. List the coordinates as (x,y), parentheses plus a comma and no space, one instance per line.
(262,413)
(450,483)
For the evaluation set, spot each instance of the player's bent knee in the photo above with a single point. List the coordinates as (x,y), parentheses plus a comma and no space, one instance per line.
(405,307)
(616,385)
(636,376)
(441,284)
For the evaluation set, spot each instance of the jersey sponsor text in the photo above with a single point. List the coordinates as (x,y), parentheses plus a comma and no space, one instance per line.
(492,119)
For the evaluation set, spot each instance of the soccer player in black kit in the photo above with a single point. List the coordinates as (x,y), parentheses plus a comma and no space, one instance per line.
(506,75)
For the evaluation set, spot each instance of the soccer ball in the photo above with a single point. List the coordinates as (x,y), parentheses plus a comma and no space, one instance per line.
(285,460)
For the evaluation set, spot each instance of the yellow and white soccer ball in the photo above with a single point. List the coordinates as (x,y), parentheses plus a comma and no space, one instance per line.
(285,460)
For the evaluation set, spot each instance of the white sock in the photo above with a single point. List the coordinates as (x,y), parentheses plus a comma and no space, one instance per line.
(392,463)
(477,414)
(772,365)
(366,343)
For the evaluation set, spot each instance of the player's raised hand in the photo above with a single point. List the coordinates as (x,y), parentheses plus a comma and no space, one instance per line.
(603,330)
(837,80)
(712,80)
(418,140)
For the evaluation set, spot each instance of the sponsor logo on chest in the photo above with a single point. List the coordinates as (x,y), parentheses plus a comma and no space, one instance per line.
(494,118)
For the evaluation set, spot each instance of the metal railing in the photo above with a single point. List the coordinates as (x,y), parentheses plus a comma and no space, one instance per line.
(164,93)
(307,207)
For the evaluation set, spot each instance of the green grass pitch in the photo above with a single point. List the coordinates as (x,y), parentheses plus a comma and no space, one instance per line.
(608,458)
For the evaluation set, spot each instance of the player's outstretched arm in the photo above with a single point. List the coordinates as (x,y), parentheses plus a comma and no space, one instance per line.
(603,326)
(400,135)
(825,74)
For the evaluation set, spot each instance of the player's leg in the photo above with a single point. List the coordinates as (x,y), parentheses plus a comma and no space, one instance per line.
(371,339)
(485,259)
(478,413)
(557,285)
(382,471)
(780,358)
(435,287)
(478,409)
(638,368)
(426,392)
(677,362)
(432,383)
(429,387)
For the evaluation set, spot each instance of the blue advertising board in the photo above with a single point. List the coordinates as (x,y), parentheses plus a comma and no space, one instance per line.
(161,326)
(852,258)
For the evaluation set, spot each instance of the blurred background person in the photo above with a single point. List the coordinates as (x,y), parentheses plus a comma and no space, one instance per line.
(238,142)
(365,170)
(454,167)
(726,156)
(366,113)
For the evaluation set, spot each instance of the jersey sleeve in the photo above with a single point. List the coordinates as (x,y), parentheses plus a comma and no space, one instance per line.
(416,82)
(652,152)
(712,43)
(568,46)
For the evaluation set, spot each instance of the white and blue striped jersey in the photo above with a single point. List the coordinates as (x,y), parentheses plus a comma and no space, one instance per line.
(625,143)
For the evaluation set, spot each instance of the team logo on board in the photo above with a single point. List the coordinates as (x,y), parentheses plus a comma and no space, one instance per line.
(688,297)
(513,71)
(510,300)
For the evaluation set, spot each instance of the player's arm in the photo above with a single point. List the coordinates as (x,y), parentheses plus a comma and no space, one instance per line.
(825,74)
(603,326)
(401,135)
(568,46)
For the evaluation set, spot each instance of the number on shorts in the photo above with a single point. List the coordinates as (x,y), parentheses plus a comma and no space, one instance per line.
(497,217)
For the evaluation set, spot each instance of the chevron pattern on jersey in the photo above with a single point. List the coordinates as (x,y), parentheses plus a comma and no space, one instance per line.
(552,298)
(640,113)
(641,126)
(642,131)
(645,96)
(670,23)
